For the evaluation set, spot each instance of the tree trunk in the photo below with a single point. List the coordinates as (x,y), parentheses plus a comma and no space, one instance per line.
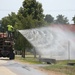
(34,53)
(23,53)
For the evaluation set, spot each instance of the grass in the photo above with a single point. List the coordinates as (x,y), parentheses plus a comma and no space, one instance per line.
(68,70)
(29,59)
(60,66)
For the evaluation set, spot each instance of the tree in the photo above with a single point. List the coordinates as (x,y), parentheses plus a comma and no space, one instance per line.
(73,19)
(32,10)
(61,20)
(0,23)
(10,19)
(49,19)
(22,44)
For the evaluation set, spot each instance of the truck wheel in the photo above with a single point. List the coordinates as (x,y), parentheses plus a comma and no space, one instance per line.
(12,56)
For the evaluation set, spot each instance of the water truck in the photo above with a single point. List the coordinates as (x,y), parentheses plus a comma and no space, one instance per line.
(6,46)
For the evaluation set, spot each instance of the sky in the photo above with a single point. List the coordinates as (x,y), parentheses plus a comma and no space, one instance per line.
(52,7)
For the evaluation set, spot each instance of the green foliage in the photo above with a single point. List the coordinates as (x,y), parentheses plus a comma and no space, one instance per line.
(31,14)
(49,18)
(10,19)
(27,23)
(21,43)
(61,20)
(0,21)
(73,19)
(31,7)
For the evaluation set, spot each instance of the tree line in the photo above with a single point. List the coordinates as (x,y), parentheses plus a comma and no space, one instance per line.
(30,15)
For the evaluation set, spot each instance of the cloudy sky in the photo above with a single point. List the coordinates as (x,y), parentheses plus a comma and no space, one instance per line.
(53,7)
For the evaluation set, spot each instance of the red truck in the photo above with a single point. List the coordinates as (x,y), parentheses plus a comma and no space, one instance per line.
(6,46)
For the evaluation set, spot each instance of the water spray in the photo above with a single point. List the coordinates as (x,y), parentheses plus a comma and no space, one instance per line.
(51,42)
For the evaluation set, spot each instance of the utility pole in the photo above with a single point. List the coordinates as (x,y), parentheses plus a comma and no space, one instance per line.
(68,50)
(69,47)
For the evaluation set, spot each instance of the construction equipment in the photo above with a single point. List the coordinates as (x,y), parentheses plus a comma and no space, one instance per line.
(6,46)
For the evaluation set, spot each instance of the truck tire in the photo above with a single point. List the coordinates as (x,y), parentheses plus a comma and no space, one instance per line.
(12,56)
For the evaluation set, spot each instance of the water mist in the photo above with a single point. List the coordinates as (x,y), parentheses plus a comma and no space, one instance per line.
(51,42)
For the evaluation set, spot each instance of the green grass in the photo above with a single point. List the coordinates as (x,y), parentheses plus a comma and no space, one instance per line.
(60,66)
(29,59)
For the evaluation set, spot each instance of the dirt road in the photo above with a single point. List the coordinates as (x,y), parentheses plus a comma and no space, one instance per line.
(11,67)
